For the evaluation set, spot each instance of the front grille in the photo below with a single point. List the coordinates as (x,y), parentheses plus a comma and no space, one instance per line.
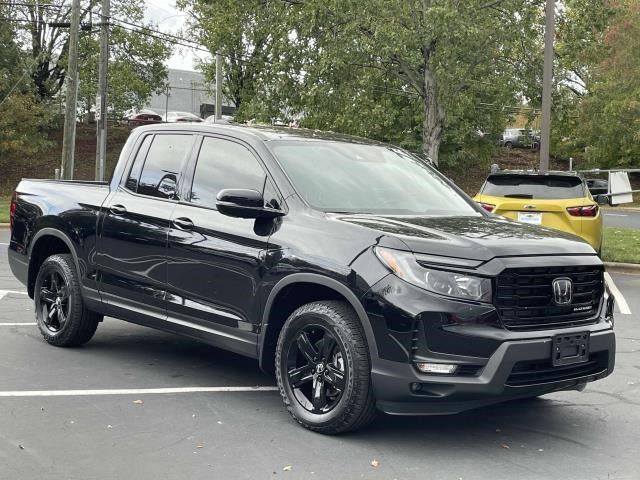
(541,371)
(524,297)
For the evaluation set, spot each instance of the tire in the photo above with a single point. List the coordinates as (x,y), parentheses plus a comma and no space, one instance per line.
(337,342)
(508,145)
(61,315)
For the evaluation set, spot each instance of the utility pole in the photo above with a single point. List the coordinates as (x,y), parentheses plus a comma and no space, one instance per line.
(547,84)
(101,101)
(218,87)
(71,92)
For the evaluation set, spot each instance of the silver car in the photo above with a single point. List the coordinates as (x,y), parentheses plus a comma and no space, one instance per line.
(520,138)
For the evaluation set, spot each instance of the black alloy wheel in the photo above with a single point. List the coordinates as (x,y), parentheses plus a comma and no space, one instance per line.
(54,301)
(316,369)
(324,370)
(61,314)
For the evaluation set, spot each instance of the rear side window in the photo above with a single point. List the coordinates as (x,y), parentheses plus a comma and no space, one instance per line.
(532,186)
(161,170)
(224,164)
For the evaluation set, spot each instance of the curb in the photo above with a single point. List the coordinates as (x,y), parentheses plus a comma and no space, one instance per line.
(622,267)
(4,225)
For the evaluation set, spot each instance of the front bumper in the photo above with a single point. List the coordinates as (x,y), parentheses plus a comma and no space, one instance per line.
(395,383)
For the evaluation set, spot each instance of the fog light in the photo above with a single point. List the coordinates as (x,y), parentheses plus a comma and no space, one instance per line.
(441,368)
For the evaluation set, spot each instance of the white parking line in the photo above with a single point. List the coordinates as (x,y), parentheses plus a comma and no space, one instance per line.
(4,244)
(620,300)
(18,324)
(132,391)
(615,215)
(14,292)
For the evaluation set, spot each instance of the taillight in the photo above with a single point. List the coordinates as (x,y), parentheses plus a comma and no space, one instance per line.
(588,211)
(12,210)
(487,206)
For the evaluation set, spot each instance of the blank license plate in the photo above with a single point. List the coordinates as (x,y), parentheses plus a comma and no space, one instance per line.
(570,349)
(532,218)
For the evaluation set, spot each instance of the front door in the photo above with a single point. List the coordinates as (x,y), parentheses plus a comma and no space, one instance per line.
(214,260)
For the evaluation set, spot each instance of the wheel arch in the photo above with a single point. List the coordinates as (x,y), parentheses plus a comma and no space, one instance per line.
(48,241)
(271,325)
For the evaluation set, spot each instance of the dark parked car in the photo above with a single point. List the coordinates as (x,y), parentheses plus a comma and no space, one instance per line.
(598,186)
(143,118)
(354,270)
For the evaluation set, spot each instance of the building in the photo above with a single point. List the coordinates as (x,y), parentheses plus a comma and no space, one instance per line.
(187,91)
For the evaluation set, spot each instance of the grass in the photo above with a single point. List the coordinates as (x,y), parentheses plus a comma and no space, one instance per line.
(621,245)
(4,209)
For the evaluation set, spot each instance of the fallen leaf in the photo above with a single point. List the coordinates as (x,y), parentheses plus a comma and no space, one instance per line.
(375,463)
(138,402)
(288,468)
(504,445)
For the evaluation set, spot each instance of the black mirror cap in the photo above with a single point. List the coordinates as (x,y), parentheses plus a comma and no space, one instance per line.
(244,203)
(602,199)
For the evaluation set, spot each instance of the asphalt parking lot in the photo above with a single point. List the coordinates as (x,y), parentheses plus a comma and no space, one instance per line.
(115,418)
(622,218)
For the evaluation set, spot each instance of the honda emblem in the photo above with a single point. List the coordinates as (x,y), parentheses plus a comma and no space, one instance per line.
(562,291)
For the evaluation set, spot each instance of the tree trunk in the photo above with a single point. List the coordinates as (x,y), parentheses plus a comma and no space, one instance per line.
(433,118)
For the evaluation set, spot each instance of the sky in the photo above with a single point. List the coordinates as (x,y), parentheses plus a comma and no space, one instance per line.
(171,20)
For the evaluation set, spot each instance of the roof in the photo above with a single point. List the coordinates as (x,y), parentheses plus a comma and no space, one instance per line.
(264,133)
(534,173)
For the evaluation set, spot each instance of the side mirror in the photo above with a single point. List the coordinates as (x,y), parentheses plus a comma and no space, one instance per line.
(602,199)
(244,203)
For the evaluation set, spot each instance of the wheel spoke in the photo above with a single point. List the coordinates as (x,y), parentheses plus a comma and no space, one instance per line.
(304,345)
(299,376)
(61,316)
(327,345)
(334,377)
(63,293)
(54,283)
(47,295)
(319,394)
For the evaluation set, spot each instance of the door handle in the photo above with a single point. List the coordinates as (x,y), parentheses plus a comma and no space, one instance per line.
(183,223)
(118,209)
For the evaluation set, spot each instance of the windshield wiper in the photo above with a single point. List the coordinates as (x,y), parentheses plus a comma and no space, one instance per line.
(518,195)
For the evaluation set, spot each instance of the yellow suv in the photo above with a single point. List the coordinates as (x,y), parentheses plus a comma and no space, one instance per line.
(558,200)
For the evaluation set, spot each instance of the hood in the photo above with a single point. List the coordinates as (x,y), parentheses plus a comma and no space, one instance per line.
(472,237)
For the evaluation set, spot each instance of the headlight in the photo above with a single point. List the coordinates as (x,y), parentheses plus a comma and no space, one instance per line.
(452,284)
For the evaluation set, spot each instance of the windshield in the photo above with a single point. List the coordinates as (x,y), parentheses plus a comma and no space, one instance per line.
(353,178)
(531,186)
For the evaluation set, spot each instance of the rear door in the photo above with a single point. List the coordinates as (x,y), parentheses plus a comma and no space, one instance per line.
(132,246)
(215,261)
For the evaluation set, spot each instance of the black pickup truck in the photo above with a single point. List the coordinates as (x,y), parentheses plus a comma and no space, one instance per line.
(354,270)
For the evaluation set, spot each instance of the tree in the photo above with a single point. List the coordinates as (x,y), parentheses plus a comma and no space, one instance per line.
(610,115)
(21,118)
(136,60)
(343,63)
(246,34)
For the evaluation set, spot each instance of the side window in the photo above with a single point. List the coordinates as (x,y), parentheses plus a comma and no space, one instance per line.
(159,177)
(134,174)
(224,164)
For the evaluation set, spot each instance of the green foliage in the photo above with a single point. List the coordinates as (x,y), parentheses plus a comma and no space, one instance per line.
(414,73)
(597,107)
(22,119)
(136,66)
